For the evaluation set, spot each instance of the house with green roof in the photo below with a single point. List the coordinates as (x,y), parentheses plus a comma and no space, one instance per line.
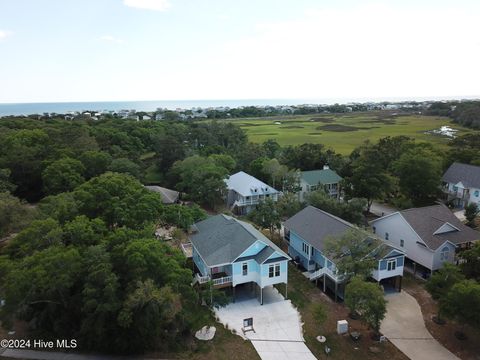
(317,179)
(231,253)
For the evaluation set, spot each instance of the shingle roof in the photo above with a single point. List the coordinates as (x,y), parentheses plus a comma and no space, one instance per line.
(168,196)
(383,250)
(325,176)
(468,175)
(246,185)
(427,220)
(314,225)
(220,239)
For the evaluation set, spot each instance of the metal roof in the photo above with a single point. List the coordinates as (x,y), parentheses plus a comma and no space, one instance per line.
(325,176)
(247,185)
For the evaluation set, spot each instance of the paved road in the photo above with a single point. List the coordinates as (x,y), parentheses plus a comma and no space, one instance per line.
(278,329)
(381,209)
(404,327)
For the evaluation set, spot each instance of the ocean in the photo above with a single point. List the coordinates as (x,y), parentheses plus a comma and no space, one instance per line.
(65,107)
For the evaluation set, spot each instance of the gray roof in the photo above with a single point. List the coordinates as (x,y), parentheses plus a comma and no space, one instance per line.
(427,220)
(314,225)
(468,175)
(247,185)
(221,239)
(384,249)
(168,196)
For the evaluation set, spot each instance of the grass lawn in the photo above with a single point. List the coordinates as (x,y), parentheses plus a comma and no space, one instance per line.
(344,132)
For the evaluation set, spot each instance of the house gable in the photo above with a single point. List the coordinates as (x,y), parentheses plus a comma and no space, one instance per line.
(445,228)
(252,250)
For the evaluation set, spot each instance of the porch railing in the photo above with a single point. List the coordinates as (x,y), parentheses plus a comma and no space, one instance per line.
(326,271)
(216,282)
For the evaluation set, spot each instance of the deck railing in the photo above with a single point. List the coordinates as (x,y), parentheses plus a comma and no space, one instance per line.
(216,282)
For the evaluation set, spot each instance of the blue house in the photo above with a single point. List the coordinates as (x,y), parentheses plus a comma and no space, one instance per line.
(306,233)
(230,253)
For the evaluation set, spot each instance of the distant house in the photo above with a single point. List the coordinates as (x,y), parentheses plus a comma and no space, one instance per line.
(461,184)
(313,180)
(306,233)
(429,235)
(245,192)
(230,253)
(168,196)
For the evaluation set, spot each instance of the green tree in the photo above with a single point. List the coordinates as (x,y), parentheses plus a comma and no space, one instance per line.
(462,303)
(40,235)
(471,266)
(125,166)
(266,216)
(368,179)
(63,175)
(442,281)
(100,300)
(83,231)
(119,200)
(351,211)
(223,160)
(471,212)
(351,253)
(367,300)
(419,171)
(95,163)
(14,215)
(275,170)
(288,205)
(5,184)
(22,151)
(201,179)
(62,207)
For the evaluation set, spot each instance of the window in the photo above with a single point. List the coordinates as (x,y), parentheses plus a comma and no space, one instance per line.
(455,188)
(391,264)
(305,248)
(386,236)
(274,270)
(402,242)
(476,193)
(374,230)
(245,269)
(445,253)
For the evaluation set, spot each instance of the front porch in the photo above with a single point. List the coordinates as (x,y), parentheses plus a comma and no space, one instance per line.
(219,280)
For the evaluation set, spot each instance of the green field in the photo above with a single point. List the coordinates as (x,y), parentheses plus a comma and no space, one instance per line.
(344,132)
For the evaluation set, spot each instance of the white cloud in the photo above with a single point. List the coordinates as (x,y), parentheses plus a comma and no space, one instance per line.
(110,38)
(157,5)
(4,34)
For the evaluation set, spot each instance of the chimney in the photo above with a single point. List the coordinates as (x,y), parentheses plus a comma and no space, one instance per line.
(326,167)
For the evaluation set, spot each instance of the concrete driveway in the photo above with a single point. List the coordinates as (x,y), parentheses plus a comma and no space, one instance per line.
(404,327)
(278,329)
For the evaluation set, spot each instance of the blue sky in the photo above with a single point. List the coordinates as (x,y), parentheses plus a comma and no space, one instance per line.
(98,50)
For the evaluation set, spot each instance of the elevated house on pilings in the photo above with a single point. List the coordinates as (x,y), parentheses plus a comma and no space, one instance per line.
(306,233)
(231,253)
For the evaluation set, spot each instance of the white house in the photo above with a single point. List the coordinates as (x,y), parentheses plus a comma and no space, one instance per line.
(245,192)
(429,235)
(461,184)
